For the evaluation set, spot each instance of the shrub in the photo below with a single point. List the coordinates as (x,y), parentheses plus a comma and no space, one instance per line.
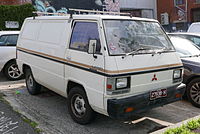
(14,13)
(185,129)
(193,124)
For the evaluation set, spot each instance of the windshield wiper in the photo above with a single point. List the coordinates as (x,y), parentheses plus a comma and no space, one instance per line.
(163,50)
(136,51)
(197,55)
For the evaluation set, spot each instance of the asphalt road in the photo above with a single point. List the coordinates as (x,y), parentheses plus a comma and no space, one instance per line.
(50,111)
(2,78)
(11,122)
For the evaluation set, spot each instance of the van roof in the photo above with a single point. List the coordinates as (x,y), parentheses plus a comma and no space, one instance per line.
(94,17)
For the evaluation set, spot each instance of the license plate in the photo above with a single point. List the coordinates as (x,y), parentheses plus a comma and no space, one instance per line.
(158,94)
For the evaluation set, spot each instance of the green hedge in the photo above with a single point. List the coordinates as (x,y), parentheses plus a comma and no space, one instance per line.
(188,128)
(14,13)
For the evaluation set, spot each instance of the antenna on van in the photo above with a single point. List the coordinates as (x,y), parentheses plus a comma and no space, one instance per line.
(71,13)
(34,15)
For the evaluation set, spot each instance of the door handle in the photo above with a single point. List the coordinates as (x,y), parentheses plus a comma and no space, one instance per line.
(68,58)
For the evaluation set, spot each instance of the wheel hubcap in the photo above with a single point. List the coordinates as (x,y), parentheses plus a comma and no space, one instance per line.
(78,105)
(14,72)
(195,93)
(30,81)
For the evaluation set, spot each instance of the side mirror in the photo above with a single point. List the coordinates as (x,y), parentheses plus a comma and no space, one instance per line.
(92,47)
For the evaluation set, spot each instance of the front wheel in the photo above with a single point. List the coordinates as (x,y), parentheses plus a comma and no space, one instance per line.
(32,86)
(193,92)
(78,106)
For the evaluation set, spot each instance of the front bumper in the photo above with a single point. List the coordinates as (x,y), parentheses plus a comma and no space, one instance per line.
(140,103)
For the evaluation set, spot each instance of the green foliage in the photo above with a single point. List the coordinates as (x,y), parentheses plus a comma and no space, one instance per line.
(178,130)
(193,124)
(185,129)
(14,13)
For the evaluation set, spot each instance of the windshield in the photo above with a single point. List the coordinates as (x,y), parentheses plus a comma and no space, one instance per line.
(185,47)
(126,36)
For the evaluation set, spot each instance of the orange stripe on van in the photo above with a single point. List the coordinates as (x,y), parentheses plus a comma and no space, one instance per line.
(101,70)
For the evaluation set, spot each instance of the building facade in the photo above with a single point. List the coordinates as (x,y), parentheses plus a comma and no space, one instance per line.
(177,15)
(14,2)
(140,8)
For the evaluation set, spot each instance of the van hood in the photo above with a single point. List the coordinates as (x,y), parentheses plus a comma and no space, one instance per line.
(143,68)
(147,62)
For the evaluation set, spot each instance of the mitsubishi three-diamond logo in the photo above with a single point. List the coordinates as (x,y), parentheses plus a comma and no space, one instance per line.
(154,78)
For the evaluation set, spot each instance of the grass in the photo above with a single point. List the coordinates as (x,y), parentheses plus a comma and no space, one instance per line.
(2,99)
(33,124)
(187,128)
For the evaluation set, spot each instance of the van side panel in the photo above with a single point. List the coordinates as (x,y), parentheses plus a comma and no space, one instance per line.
(45,42)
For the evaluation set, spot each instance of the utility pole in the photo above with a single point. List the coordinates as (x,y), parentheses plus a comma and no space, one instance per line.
(186,13)
(183,12)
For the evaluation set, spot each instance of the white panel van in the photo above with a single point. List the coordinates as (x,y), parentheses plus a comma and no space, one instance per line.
(114,65)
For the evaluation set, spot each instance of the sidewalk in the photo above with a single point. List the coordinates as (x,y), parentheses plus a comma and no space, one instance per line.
(175,125)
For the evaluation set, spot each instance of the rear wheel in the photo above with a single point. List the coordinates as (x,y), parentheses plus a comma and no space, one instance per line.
(193,92)
(32,86)
(78,106)
(12,72)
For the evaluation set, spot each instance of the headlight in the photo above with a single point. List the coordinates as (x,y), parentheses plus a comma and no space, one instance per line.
(118,85)
(177,74)
(121,83)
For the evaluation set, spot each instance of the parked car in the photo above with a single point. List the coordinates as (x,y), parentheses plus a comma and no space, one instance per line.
(194,37)
(115,65)
(194,28)
(190,56)
(8,41)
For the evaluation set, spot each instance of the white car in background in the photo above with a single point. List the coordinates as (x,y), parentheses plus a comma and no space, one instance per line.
(8,41)
(194,28)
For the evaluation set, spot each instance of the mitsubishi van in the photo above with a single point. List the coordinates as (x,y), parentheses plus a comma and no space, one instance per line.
(118,66)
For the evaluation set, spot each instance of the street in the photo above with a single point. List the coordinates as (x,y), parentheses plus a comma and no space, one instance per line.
(49,110)
(11,122)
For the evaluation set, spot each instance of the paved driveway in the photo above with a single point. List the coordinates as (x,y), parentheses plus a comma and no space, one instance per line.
(50,111)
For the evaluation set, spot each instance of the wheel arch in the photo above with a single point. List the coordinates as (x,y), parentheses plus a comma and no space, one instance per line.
(24,67)
(72,84)
(192,78)
(11,60)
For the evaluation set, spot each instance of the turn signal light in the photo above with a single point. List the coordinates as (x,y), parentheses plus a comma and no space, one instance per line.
(178,95)
(109,86)
(129,109)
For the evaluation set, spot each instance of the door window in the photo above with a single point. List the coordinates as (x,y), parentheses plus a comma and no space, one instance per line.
(83,32)
(8,40)
(196,40)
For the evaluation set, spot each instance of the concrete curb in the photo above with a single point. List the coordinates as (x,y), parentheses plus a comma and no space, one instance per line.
(161,131)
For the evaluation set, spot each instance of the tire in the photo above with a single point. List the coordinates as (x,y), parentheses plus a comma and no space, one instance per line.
(32,86)
(193,92)
(78,106)
(12,72)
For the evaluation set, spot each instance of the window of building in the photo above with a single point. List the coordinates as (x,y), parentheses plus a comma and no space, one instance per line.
(179,2)
(83,32)
(197,1)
